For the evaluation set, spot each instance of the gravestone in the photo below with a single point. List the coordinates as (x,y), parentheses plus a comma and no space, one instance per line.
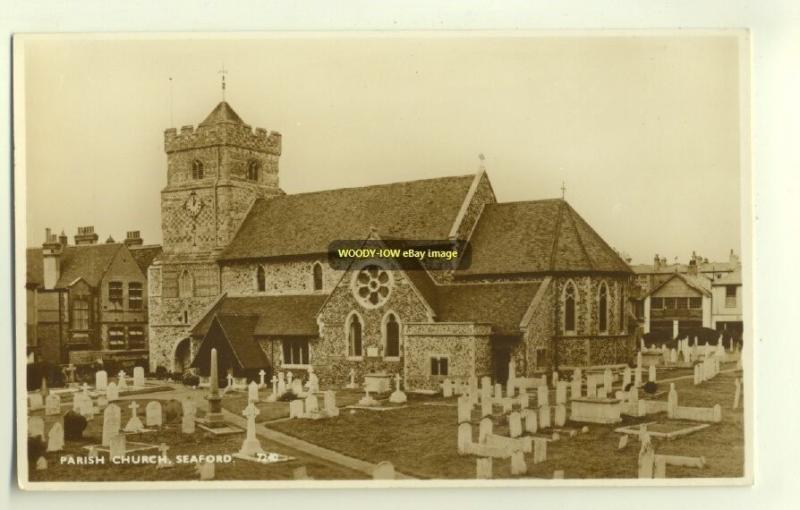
(252,392)
(281,384)
(134,424)
(274,395)
(498,391)
(673,356)
(591,387)
(398,397)
(738,393)
(352,385)
(508,404)
(483,468)
(464,409)
(100,380)
(464,437)
(138,377)
(539,450)
(41,464)
(447,388)
(484,429)
(55,438)
(188,417)
(514,424)
(52,405)
(608,381)
(36,427)
(486,406)
(251,446)
(383,471)
(296,408)
(561,392)
(297,387)
(576,386)
(672,401)
(560,418)
(330,403)
(646,456)
(544,417)
(637,376)
(117,446)
(651,375)
(112,421)
(524,400)
(312,405)
(153,415)
(112,392)
(122,383)
(542,397)
(163,458)
(313,381)
(35,401)
(261,375)
(518,466)
(531,420)
(626,378)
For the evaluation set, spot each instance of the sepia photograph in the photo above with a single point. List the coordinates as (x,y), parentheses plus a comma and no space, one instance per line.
(383,260)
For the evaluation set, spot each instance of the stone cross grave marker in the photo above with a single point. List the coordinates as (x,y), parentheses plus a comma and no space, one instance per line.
(313,381)
(122,383)
(134,424)
(163,457)
(112,419)
(251,445)
(55,438)
(252,392)
(153,415)
(261,375)
(274,396)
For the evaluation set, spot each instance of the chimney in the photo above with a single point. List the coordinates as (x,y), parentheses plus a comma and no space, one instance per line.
(733,258)
(693,266)
(110,240)
(63,239)
(85,236)
(51,259)
(132,238)
(656,263)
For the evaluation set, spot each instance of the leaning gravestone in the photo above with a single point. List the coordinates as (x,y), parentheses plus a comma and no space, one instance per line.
(152,414)
(112,418)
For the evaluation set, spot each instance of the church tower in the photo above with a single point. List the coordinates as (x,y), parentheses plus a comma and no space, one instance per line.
(214,173)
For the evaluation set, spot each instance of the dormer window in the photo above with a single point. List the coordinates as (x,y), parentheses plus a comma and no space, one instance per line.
(253,169)
(197,169)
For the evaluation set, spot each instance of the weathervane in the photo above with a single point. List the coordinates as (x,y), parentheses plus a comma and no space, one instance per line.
(482,165)
(563,190)
(223,72)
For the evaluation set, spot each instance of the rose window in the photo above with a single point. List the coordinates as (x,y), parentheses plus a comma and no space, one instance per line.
(371,286)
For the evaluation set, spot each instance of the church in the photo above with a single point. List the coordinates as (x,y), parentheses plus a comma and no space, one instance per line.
(244,269)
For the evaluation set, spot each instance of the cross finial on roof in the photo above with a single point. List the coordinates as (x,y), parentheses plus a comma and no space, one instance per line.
(482,165)
(563,190)
(223,72)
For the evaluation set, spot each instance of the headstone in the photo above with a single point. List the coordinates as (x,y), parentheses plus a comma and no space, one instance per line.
(41,464)
(464,437)
(623,442)
(289,378)
(473,388)
(447,388)
(560,415)
(112,421)
(673,356)
(252,392)
(352,384)
(542,397)
(188,418)
(646,456)
(514,424)
(251,446)
(55,438)
(518,466)
(297,387)
(697,375)
(134,424)
(35,401)
(100,380)
(508,404)
(117,446)
(531,420)
(738,393)
(486,406)
(464,409)
(561,392)
(206,470)
(330,403)
(483,468)
(261,375)
(524,400)
(296,408)
(383,471)
(608,381)
(539,450)
(651,375)
(544,417)
(626,377)
(153,415)
(52,405)
(591,387)
(163,459)
(637,376)
(138,377)
(398,397)
(312,405)
(281,384)
(122,383)
(672,401)
(576,384)
(498,391)
(555,379)
(274,395)
(36,426)
(112,393)
(484,429)
(313,381)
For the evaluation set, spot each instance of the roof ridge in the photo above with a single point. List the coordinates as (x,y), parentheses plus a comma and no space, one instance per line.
(537,201)
(386,184)
(599,237)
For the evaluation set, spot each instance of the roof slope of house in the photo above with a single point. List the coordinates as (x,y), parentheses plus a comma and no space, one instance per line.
(144,255)
(86,261)
(542,236)
(305,223)
(502,305)
(294,315)
(699,283)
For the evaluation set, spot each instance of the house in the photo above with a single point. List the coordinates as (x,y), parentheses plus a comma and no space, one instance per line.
(245,270)
(88,301)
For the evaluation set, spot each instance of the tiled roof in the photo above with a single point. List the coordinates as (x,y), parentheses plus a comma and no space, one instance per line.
(501,304)
(144,255)
(731,278)
(277,315)
(306,223)
(237,331)
(541,236)
(222,114)
(699,283)
(86,261)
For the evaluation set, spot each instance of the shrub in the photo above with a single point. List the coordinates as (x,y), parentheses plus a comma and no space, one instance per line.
(190,379)
(74,425)
(44,370)
(287,397)
(161,372)
(36,448)
(172,411)
(650,387)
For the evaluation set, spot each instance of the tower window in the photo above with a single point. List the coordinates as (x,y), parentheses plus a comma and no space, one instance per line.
(317,276)
(185,285)
(253,168)
(261,279)
(197,169)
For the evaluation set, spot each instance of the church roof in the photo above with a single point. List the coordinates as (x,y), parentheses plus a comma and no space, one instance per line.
(85,261)
(277,315)
(306,223)
(542,236)
(237,332)
(501,304)
(222,114)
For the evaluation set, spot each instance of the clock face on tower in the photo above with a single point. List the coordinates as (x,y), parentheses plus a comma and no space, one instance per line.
(193,205)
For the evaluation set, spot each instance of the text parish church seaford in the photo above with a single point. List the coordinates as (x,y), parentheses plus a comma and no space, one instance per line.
(244,269)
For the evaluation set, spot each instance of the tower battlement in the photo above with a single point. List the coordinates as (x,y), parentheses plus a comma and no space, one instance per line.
(231,134)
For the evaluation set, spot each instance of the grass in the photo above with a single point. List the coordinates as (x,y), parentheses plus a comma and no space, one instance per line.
(199,443)
(421,440)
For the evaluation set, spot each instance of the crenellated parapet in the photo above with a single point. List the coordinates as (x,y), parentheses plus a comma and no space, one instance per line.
(229,134)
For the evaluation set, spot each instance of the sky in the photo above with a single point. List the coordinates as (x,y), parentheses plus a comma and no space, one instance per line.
(643,132)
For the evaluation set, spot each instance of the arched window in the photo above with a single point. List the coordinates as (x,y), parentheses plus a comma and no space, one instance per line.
(197,169)
(253,168)
(354,331)
(602,308)
(391,341)
(570,297)
(317,276)
(186,284)
(261,279)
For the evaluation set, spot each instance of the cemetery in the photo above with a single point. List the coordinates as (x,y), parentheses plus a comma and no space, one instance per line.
(662,417)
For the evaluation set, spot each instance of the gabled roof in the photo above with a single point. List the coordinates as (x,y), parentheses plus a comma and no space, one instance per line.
(222,114)
(277,315)
(501,304)
(34,271)
(542,236)
(89,262)
(144,255)
(237,332)
(698,283)
(305,223)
